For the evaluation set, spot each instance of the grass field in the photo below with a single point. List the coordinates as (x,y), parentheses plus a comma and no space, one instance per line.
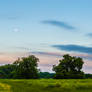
(46,85)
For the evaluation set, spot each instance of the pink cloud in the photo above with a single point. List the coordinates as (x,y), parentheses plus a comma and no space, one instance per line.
(47,59)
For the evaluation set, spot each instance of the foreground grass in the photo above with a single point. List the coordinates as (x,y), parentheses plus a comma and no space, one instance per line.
(46,85)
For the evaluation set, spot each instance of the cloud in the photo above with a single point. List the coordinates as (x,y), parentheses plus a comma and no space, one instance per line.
(22,48)
(89,35)
(60,24)
(48,59)
(74,48)
(16,30)
(60,54)
(1,53)
(54,54)
(6,16)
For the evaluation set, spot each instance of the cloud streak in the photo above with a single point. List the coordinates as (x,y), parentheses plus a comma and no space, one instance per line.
(60,24)
(8,17)
(23,48)
(48,54)
(89,35)
(59,54)
(48,59)
(74,48)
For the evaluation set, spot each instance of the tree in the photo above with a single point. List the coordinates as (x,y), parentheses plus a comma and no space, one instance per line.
(6,71)
(69,67)
(26,67)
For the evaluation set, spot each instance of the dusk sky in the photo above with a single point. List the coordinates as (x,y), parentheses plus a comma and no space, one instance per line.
(47,29)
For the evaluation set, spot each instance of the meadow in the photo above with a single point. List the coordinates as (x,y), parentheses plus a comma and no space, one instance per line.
(46,85)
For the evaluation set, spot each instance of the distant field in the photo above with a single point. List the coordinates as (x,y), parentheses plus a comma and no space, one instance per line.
(46,85)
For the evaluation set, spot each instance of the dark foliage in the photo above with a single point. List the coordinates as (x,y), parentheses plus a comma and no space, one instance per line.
(88,76)
(69,68)
(24,68)
(46,75)
(6,71)
(27,67)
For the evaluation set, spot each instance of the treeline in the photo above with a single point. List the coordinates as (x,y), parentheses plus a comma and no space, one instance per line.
(26,68)
(47,75)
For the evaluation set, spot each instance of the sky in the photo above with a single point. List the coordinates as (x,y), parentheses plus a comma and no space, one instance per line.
(47,29)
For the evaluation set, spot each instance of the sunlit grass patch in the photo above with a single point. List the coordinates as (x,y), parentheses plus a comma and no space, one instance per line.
(5,87)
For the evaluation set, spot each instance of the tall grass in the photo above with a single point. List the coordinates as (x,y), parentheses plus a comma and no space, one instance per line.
(46,85)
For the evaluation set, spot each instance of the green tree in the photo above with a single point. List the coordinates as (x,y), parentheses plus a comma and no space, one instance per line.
(26,67)
(69,67)
(6,71)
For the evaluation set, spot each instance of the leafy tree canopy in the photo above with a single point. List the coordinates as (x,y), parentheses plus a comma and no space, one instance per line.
(26,67)
(69,67)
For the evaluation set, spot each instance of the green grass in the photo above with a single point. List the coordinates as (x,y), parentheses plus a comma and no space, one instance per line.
(46,85)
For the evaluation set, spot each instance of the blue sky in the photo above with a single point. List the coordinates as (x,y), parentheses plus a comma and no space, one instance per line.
(46,28)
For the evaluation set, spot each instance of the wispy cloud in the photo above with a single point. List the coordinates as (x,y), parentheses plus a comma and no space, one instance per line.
(74,48)
(48,59)
(23,48)
(48,54)
(60,54)
(1,53)
(89,35)
(7,16)
(60,24)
